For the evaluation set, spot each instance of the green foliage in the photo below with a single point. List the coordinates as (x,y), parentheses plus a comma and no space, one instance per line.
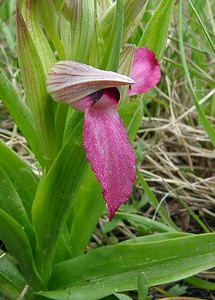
(61,182)
(81,18)
(48,219)
(202,117)
(116,268)
(20,175)
(155,35)
(11,280)
(16,239)
(111,57)
(20,113)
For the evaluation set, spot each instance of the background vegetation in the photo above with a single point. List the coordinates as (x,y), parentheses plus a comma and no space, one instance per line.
(174,145)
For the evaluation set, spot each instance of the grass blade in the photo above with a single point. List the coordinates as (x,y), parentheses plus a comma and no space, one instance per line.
(154,202)
(203,120)
(133,11)
(156,32)
(146,222)
(210,41)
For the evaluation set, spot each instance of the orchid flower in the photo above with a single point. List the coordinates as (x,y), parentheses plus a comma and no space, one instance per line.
(105,139)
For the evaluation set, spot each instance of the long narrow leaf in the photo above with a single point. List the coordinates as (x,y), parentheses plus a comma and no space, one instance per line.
(16,241)
(20,174)
(116,268)
(81,18)
(20,113)
(88,207)
(11,280)
(204,121)
(34,81)
(156,32)
(55,197)
(31,20)
(133,11)
(147,222)
(111,58)
(50,23)
(210,41)
(11,203)
(97,46)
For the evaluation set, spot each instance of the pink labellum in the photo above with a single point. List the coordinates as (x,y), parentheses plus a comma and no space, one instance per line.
(109,151)
(94,92)
(145,72)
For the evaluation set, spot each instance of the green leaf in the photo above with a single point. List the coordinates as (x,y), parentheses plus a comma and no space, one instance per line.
(121,297)
(133,11)
(34,80)
(201,283)
(155,35)
(11,280)
(116,268)
(81,18)
(87,208)
(11,203)
(20,113)
(147,222)
(156,237)
(59,4)
(97,47)
(20,174)
(17,243)
(131,112)
(55,197)
(142,286)
(65,31)
(202,118)
(63,250)
(210,40)
(50,23)
(38,38)
(110,59)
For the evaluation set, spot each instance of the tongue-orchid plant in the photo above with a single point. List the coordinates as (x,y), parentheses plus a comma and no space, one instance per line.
(94,92)
(87,54)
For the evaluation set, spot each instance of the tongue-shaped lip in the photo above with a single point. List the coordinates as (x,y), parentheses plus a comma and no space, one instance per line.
(105,139)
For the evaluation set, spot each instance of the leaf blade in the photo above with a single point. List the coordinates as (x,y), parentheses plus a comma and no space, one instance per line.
(15,239)
(55,197)
(155,35)
(20,113)
(11,280)
(116,268)
(20,174)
